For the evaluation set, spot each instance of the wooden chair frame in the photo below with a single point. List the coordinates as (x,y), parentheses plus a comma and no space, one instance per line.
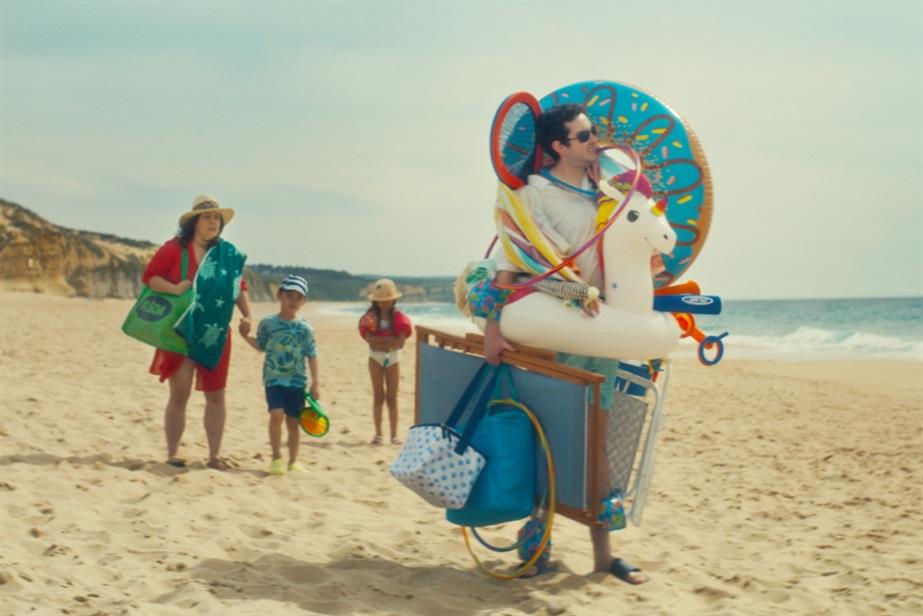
(542,362)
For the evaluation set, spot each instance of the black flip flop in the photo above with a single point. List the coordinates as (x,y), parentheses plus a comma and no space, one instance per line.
(622,569)
(177,462)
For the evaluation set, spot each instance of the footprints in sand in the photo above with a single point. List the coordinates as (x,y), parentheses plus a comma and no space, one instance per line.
(256,532)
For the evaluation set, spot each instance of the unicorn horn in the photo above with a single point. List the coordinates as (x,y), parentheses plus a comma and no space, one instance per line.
(660,208)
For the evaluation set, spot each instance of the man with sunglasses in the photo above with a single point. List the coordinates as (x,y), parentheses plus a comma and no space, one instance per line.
(562,199)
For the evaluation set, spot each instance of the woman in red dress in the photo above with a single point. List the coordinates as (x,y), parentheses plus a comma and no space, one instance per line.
(199,230)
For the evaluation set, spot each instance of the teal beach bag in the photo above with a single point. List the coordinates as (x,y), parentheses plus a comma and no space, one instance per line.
(505,489)
(153,318)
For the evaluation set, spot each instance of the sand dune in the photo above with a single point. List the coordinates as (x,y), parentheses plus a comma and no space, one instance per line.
(782,488)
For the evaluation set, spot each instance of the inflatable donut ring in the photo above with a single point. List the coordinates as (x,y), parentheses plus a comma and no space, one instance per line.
(673,159)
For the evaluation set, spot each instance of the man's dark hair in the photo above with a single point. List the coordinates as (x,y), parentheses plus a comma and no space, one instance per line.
(550,126)
(186,231)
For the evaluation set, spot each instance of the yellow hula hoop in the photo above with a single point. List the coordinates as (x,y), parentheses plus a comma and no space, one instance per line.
(549,459)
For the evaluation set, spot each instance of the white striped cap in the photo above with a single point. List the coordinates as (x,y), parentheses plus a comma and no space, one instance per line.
(295,283)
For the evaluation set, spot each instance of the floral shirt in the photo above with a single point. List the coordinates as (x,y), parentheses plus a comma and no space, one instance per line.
(287,344)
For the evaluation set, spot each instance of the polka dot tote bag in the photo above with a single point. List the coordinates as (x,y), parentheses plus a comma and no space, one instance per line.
(439,463)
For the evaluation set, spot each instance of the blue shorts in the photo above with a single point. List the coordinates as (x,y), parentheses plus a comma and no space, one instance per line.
(289,399)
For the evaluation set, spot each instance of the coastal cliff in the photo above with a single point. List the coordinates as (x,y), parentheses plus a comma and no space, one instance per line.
(41,257)
(38,256)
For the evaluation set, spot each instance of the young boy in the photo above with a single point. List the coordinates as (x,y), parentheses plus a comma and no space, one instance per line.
(287,342)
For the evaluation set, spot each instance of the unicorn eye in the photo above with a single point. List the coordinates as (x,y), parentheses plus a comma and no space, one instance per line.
(632,215)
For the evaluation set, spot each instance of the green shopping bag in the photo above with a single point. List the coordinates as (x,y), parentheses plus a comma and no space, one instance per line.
(153,318)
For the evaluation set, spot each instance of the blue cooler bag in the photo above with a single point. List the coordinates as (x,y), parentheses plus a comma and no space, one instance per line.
(505,489)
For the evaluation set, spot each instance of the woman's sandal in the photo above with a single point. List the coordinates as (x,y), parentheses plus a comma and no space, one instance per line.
(396,441)
(376,441)
(219,465)
(177,462)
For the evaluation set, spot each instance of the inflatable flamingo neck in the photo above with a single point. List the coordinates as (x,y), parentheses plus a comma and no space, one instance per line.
(629,285)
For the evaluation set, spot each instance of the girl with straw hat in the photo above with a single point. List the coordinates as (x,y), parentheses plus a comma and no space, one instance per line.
(385,329)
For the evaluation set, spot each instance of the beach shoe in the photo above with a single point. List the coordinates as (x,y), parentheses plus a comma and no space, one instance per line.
(396,441)
(177,462)
(277,467)
(376,441)
(295,467)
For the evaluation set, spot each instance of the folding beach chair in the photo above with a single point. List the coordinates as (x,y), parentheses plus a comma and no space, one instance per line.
(566,402)
(634,423)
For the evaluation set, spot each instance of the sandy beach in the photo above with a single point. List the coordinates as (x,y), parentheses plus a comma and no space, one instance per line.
(781,488)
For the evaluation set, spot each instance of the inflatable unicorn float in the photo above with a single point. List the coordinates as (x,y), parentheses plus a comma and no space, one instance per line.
(653,194)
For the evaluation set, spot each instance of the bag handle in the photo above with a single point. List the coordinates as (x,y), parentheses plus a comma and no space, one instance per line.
(505,376)
(182,275)
(480,409)
(462,403)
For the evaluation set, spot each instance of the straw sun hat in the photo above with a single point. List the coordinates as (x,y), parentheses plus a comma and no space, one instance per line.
(204,203)
(383,290)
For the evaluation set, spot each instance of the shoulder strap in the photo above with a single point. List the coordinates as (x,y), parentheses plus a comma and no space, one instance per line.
(505,375)
(462,403)
(185,265)
(480,409)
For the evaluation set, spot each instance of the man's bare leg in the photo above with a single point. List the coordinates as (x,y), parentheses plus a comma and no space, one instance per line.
(603,560)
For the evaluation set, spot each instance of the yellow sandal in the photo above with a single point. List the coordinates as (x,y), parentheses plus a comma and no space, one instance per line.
(277,467)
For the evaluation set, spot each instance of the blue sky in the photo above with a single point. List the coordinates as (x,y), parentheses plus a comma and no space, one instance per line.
(354,135)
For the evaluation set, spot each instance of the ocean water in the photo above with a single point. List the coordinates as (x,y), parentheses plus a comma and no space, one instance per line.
(810,329)
(870,327)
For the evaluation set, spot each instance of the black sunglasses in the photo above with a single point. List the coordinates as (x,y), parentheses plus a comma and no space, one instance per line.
(583,136)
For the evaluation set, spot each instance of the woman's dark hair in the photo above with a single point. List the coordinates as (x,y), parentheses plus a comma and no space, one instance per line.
(186,231)
(550,126)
